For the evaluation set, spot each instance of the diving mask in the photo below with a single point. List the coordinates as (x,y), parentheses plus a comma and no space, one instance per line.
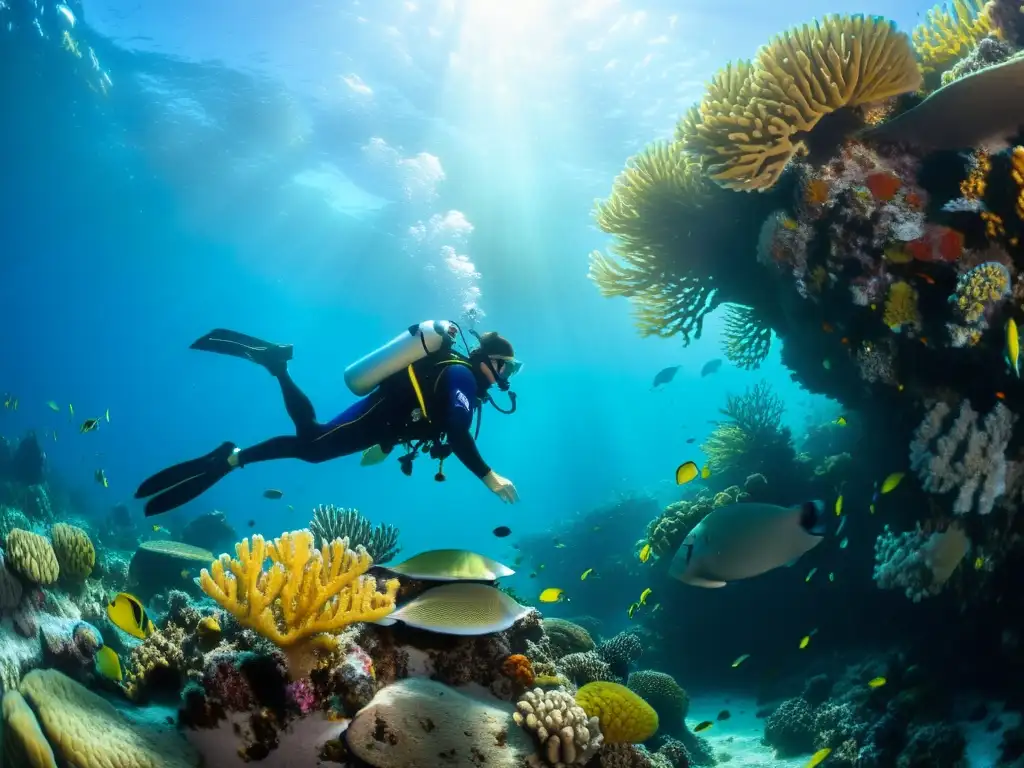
(506,367)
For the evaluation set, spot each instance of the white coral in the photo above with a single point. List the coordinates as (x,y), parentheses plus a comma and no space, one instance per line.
(566,735)
(969,456)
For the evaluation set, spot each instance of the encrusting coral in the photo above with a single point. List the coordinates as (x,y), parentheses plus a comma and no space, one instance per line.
(625,718)
(74,550)
(32,556)
(747,132)
(566,637)
(566,734)
(305,591)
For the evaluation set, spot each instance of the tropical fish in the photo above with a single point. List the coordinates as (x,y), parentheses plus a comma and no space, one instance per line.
(502,531)
(251,523)
(53,406)
(810,574)
(893,480)
(725,714)
(160,529)
(644,595)
(805,641)
(840,422)
(705,472)
(451,565)
(464,609)
(272,493)
(645,553)
(740,660)
(831,576)
(979,563)
(89,425)
(664,376)
(841,524)
(552,595)
(107,415)
(71,410)
(871,508)
(101,478)
(691,440)
(818,757)
(740,541)
(839,505)
(826,364)
(702,726)
(186,575)
(711,366)
(560,545)
(1013,347)
(686,472)
(876,682)
(108,664)
(844,543)
(632,609)
(127,613)
(583,576)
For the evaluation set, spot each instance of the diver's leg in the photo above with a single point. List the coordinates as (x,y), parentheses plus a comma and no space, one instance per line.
(361,426)
(300,408)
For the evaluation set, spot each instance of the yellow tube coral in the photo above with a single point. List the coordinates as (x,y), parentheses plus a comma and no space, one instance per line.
(306,591)
(948,34)
(754,118)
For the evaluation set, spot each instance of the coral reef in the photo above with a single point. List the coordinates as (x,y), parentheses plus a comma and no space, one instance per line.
(566,735)
(758,115)
(304,593)
(968,457)
(625,718)
(917,562)
(621,652)
(662,692)
(32,556)
(566,637)
(330,523)
(585,667)
(948,34)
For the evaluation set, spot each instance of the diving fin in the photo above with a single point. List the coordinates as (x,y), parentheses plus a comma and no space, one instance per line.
(273,357)
(373,455)
(177,485)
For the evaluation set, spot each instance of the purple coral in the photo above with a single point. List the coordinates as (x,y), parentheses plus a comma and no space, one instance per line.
(301,694)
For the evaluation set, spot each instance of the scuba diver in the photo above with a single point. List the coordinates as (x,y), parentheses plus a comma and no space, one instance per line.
(417,391)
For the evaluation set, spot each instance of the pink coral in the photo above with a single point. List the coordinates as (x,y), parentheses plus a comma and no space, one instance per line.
(226,683)
(301,694)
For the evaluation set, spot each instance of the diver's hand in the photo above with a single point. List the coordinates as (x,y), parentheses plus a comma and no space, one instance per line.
(501,486)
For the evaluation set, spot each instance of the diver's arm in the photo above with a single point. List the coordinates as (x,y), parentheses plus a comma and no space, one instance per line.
(461,392)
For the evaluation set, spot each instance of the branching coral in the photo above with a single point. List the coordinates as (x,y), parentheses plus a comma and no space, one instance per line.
(753,431)
(967,457)
(948,34)
(747,339)
(305,592)
(755,117)
(660,188)
(330,523)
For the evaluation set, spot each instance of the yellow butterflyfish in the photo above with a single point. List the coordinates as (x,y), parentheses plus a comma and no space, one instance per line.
(705,472)
(644,595)
(645,553)
(552,595)
(686,472)
(1013,347)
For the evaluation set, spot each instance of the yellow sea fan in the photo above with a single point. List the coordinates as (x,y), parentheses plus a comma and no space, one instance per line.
(753,119)
(947,34)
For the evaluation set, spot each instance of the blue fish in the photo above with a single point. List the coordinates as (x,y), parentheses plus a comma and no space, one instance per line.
(665,376)
(711,367)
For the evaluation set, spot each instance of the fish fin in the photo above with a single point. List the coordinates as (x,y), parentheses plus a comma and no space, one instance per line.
(386,621)
(699,581)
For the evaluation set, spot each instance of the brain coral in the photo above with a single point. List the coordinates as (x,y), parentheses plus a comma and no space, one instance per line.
(87,732)
(625,718)
(32,556)
(567,637)
(24,743)
(75,552)
(663,693)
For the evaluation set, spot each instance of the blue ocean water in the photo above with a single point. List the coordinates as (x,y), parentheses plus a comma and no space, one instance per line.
(299,173)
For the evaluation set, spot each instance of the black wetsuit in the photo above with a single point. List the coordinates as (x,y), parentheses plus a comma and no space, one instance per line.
(389,416)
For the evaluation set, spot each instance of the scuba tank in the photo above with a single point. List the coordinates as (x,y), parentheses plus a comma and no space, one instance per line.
(416,343)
